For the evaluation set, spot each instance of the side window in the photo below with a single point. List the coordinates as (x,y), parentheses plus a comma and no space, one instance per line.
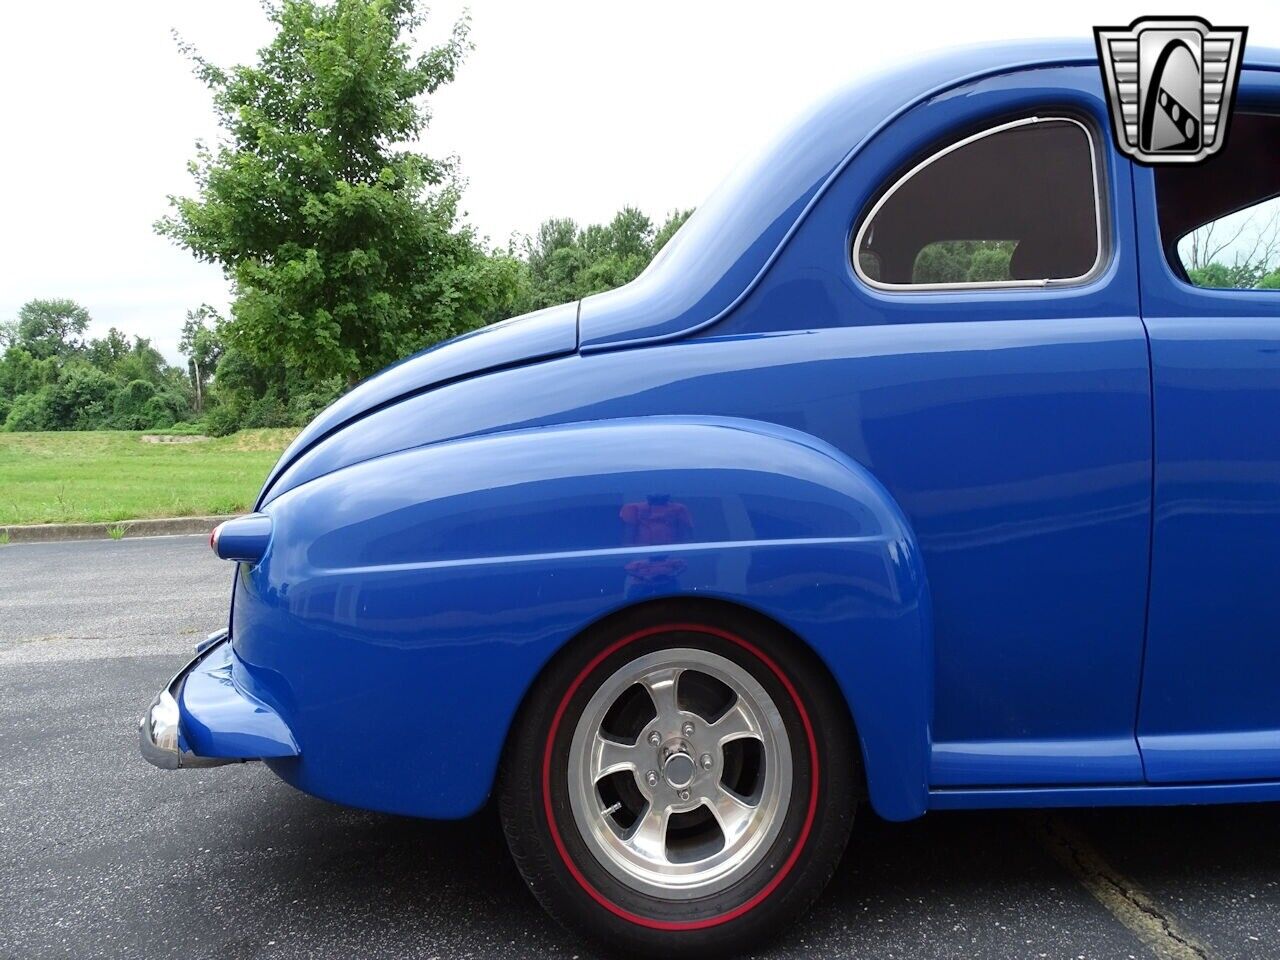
(1017,204)
(1220,219)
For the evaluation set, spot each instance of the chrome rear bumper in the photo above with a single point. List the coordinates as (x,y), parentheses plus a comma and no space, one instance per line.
(159,736)
(211,722)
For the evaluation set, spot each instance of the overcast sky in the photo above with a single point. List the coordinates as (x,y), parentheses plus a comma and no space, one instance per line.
(564,109)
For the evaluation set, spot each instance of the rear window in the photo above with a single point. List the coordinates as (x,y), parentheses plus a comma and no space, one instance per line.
(1015,204)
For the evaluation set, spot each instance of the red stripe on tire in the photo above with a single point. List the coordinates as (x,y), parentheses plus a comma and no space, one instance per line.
(777,878)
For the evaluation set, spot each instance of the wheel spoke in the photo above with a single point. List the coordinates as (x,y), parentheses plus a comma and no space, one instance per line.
(610,756)
(733,814)
(680,837)
(661,686)
(735,725)
(649,838)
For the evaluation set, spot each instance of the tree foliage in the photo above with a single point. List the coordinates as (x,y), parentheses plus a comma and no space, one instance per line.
(1239,275)
(201,343)
(1250,238)
(48,328)
(344,245)
(343,241)
(566,262)
(52,379)
(963,261)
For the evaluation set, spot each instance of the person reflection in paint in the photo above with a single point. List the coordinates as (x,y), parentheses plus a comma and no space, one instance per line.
(656,521)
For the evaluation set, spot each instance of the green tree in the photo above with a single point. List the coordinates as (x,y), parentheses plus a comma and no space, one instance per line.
(343,245)
(675,220)
(201,344)
(989,262)
(616,253)
(1210,275)
(82,399)
(31,411)
(48,328)
(142,362)
(129,410)
(1241,275)
(555,258)
(943,262)
(105,352)
(20,373)
(963,261)
(567,262)
(51,379)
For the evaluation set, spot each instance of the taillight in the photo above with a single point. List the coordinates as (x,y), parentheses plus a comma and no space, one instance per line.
(242,538)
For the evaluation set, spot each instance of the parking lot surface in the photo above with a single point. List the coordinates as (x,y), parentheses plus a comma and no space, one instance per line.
(103,856)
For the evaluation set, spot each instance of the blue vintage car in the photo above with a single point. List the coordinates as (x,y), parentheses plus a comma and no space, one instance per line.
(924,466)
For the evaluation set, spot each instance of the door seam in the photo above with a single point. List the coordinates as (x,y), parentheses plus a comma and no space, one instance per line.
(1151,495)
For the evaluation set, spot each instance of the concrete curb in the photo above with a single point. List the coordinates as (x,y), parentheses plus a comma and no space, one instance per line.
(163,527)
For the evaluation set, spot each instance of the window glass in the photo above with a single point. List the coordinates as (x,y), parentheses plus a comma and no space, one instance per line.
(1220,219)
(963,261)
(1015,204)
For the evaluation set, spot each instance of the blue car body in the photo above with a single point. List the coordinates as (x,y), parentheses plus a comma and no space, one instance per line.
(1031,532)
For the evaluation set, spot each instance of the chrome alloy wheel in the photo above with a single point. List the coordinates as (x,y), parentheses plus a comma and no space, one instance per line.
(680,773)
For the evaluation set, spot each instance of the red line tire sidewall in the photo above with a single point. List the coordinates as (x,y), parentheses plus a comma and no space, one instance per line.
(566,876)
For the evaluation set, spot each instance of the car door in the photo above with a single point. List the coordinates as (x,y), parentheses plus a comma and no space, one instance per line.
(1210,249)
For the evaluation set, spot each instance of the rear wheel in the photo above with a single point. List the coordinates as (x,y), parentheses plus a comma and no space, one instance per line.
(679,784)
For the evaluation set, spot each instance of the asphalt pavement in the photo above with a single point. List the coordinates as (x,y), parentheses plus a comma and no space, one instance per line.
(102,855)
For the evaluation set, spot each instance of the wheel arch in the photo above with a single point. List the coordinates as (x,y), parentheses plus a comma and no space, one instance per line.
(703,608)
(897,770)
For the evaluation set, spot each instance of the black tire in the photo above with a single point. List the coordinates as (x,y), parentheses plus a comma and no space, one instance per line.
(565,875)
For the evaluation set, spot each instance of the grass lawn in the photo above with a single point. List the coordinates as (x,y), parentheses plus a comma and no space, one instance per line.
(115,475)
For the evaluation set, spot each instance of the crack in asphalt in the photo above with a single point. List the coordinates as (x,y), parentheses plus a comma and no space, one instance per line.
(1124,899)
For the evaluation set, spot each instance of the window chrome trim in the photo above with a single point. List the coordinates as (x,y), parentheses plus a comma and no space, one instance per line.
(1100,259)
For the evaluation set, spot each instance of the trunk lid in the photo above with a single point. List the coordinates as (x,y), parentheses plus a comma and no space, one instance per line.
(536,336)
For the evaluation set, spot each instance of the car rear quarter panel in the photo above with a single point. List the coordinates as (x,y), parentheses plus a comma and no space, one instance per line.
(399,616)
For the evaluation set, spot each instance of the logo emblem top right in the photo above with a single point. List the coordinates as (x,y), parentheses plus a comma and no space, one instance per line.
(1170,84)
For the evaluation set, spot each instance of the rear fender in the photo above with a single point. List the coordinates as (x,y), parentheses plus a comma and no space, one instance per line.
(407,603)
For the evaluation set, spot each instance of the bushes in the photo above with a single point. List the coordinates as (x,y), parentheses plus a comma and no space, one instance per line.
(85,398)
(963,261)
(221,421)
(245,396)
(105,384)
(128,413)
(241,410)
(158,414)
(31,411)
(82,397)
(238,414)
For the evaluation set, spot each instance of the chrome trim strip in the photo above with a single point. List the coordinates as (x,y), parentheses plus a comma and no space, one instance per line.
(1099,260)
(212,640)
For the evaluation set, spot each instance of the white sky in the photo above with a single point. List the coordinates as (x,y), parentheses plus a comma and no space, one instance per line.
(564,109)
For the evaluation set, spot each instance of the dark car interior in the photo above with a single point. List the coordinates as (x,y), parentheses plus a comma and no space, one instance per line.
(1030,187)
(1191,196)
